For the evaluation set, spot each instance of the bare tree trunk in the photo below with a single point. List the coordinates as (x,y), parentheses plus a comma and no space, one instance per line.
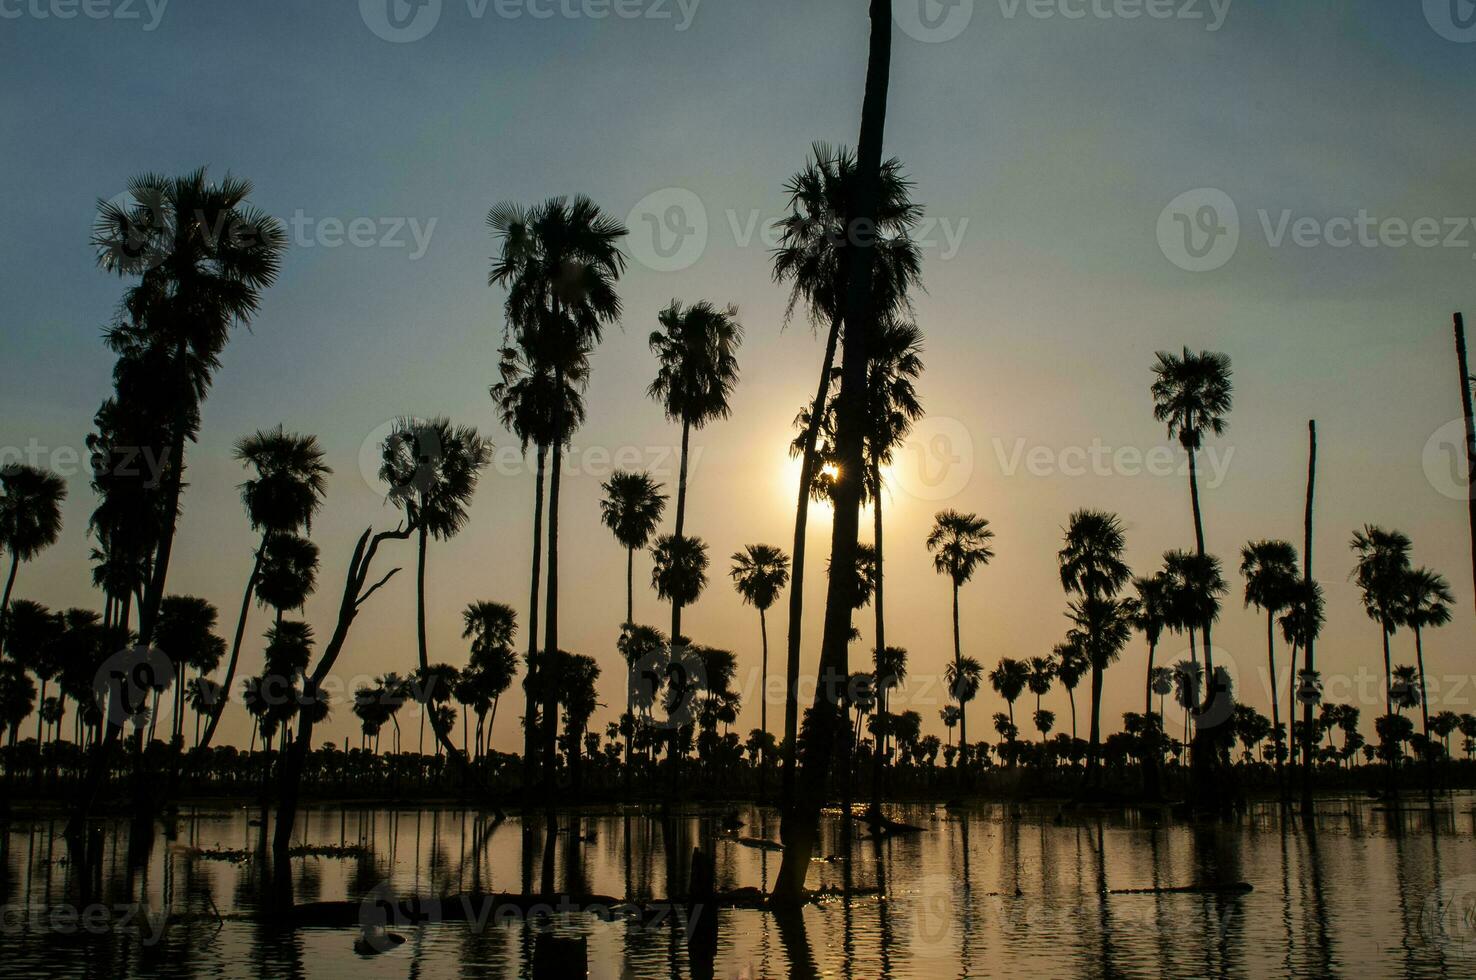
(1308,642)
(1466,380)
(681,518)
(530,711)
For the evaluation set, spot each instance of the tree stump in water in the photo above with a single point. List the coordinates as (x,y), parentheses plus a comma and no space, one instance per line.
(702,916)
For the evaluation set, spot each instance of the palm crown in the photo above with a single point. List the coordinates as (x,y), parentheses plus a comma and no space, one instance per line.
(632,507)
(760,572)
(960,543)
(432,467)
(291,479)
(30,510)
(696,349)
(1382,572)
(1091,560)
(1191,394)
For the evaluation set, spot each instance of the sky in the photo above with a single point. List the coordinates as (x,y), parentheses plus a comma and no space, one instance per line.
(1287,183)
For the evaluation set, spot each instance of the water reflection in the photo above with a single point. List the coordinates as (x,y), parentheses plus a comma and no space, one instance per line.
(983,889)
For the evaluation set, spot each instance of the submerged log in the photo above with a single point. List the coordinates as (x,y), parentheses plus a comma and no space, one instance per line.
(1228,888)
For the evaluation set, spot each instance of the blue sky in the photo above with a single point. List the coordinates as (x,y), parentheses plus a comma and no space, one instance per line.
(1048,146)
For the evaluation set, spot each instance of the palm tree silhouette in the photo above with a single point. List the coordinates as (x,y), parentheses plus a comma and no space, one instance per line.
(760,572)
(960,546)
(432,469)
(631,509)
(30,640)
(560,261)
(529,398)
(1382,574)
(1042,675)
(1152,617)
(287,489)
(1103,626)
(678,569)
(1008,679)
(1427,603)
(491,627)
(812,256)
(1272,575)
(696,348)
(1071,667)
(30,518)
(202,257)
(186,634)
(1301,624)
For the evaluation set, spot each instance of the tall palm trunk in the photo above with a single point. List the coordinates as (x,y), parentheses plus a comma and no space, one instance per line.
(963,719)
(1395,753)
(877,764)
(797,566)
(40,702)
(763,705)
(1071,696)
(550,712)
(1425,717)
(1308,641)
(230,674)
(1465,369)
(9,584)
(1275,708)
(630,556)
(438,731)
(801,825)
(1094,730)
(530,712)
(681,519)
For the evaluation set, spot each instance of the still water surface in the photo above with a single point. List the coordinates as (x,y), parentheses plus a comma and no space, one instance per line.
(984,891)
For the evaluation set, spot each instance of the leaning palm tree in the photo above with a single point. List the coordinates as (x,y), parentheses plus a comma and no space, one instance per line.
(631,509)
(960,546)
(760,572)
(202,256)
(288,484)
(432,469)
(812,257)
(1382,574)
(696,348)
(1427,602)
(30,518)
(1272,575)
(559,261)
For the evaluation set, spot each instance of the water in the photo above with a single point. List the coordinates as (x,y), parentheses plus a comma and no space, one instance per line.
(981,892)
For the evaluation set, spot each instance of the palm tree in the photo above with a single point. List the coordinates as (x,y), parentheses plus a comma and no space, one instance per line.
(1103,626)
(17,697)
(30,518)
(812,257)
(1153,616)
(491,627)
(287,489)
(696,349)
(1301,624)
(801,827)
(432,469)
(1382,574)
(530,398)
(202,257)
(1192,395)
(1271,576)
(1091,558)
(760,572)
(186,634)
(1427,602)
(1071,667)
(632,508)
(962,679)
(1042,674)
(960,546)
(560,261)
(1008,679)
(30,640)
